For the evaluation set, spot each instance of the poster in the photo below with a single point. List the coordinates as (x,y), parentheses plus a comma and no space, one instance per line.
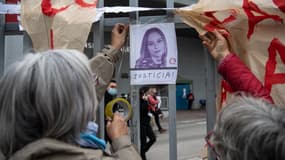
(153,52)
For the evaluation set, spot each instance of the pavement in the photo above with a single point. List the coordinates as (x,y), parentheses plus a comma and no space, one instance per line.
(189,115)
(190,129)
(186,116)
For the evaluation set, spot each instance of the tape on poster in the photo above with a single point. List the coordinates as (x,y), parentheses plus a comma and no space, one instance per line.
(120,105)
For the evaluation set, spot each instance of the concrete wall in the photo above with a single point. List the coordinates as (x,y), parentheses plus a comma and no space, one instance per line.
(192,65)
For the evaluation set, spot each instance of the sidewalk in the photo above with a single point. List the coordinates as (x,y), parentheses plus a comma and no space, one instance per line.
(186,116)
(190,132)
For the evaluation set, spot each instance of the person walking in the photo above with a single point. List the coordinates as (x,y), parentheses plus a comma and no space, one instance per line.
(153,108)
(190,98)
(147,136)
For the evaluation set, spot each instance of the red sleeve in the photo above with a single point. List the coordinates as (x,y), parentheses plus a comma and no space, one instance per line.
(240,78)
(152,101)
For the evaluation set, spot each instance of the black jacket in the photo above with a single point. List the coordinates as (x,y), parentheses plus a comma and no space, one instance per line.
(144,117)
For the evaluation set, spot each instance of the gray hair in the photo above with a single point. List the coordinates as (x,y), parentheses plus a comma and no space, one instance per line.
(250,129)
(49,94)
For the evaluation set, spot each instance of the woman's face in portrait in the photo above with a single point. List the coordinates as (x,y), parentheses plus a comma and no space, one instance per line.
(156,47)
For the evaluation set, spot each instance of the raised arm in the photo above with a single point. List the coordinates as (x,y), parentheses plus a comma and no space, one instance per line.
(233,70)
(102,65)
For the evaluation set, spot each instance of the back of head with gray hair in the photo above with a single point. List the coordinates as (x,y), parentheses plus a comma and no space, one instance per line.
(48,94)
(250,129)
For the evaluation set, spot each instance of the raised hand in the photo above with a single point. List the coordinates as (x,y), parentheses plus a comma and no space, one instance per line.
(119,34)
(117,127)
(217,44)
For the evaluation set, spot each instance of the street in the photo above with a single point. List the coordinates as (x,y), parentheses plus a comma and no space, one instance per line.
(191,130)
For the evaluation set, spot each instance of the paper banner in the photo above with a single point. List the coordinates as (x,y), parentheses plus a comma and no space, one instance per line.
(256,29)
(58,24)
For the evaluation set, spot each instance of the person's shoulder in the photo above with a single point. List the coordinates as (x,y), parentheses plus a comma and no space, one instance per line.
(38,148)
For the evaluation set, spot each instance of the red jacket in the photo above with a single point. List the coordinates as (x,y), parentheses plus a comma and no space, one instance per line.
(152,103)
(240,78)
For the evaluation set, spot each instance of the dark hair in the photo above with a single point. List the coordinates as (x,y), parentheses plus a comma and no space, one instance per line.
(143,90)
(113,81)
(144,52)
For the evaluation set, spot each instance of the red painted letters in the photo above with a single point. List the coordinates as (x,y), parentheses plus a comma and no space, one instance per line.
(272,78)
(280,4)
(215,23)
(48,10)
(250,7)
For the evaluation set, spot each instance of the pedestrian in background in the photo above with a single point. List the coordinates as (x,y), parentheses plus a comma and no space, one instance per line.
(153,108)
(147,136)
(191,99)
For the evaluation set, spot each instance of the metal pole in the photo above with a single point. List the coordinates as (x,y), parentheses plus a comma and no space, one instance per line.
(98,32)
(2,31)
(172,122)
(98,41)
(172,101)
(135,128)
(210,95)
(135,125)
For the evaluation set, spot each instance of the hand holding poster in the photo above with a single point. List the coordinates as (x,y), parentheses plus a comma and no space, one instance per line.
(153,54)
(255,29)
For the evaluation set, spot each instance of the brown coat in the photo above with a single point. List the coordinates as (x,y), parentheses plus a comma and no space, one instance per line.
(102,66)
(50,149)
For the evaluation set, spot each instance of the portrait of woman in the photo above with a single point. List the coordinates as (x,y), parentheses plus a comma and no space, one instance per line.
(153,51)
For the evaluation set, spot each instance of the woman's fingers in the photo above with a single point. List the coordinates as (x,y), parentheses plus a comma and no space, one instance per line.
(218,34)
(208,40)
(117,127)
(204,38)
(211,36)
(216,43)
